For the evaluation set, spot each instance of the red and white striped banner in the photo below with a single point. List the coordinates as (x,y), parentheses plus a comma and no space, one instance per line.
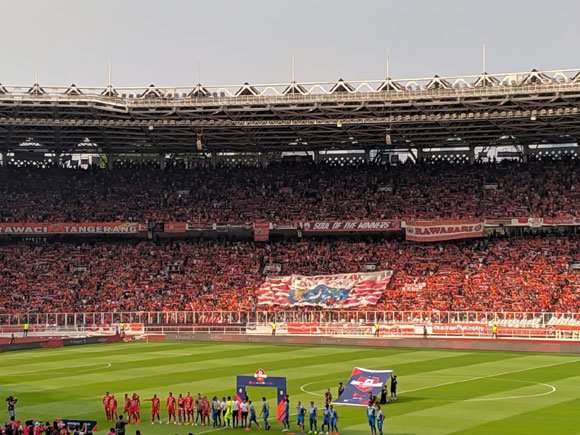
(332,291)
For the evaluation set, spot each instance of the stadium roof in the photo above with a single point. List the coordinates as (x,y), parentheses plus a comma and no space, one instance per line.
(482,110)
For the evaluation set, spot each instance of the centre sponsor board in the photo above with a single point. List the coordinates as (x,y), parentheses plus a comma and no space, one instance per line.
(460,328)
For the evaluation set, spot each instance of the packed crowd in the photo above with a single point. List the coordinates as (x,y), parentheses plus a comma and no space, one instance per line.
(290,192)
(528,273)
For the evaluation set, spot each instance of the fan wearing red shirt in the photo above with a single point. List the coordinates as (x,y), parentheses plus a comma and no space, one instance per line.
(155,405)
(171,408)
(113,407)
(107,405)
(189,408)
(181,408)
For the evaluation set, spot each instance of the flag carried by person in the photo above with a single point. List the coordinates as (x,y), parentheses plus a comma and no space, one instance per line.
(362,385)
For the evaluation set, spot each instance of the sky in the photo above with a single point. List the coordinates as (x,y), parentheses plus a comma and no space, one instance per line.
(159,41)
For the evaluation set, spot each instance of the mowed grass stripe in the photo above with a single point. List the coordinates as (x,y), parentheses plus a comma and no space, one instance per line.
(108,352)
(554,418)
(122,361)
(165,372)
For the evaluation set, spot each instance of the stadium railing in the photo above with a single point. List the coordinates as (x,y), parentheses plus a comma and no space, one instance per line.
(168,318)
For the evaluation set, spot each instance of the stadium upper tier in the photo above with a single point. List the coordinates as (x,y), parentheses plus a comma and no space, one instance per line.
(483,110)
(530,274)
(291,192)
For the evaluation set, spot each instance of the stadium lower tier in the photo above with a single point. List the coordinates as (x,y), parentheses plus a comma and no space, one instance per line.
(534,273)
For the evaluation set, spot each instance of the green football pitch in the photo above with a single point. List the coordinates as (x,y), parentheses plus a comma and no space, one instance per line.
(440,391)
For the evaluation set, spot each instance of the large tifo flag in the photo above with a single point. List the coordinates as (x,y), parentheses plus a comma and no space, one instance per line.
(361,384)
(431,231)
(338,291)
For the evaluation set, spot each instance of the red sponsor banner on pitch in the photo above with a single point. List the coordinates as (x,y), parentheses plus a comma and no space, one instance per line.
(351,226)
(261,231)
(460,328)
(431,231)
(31,228)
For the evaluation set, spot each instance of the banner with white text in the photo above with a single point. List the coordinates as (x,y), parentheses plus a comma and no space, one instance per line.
(432,231)
(29,228)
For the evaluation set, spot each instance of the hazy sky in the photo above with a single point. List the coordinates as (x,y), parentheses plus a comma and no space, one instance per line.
(159,41)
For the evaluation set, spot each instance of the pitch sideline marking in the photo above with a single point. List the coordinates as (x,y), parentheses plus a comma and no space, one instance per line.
(302,388)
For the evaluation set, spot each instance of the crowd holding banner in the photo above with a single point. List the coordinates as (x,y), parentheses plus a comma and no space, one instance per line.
(416,230)
(351,226)
(71,228)
(340,291)
(432,231)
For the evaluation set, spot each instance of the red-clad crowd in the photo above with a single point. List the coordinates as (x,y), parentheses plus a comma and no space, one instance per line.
(290,192)
(496,274)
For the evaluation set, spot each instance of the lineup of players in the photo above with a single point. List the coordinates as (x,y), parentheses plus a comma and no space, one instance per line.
(228,413)
(187,410)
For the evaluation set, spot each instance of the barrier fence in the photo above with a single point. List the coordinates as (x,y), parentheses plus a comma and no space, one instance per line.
(76,320)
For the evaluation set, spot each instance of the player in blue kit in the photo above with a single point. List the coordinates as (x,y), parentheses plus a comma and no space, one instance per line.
(300,413)
(313,414)
(265,413)
(380,420)
(325,419)
(334,420)
(372,416)
(286,414)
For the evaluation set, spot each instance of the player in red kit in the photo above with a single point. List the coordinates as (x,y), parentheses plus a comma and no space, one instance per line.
(171,408)
(205,411)
(107,405)
(155,405)
(127,406)
(113,403)
(189,408)
(181,408)
(135,408)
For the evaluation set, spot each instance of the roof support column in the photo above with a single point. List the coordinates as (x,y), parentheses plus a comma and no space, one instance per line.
(527,152)
(316,157)
(471,153)
(420,155)
(213,159)
(111,159)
